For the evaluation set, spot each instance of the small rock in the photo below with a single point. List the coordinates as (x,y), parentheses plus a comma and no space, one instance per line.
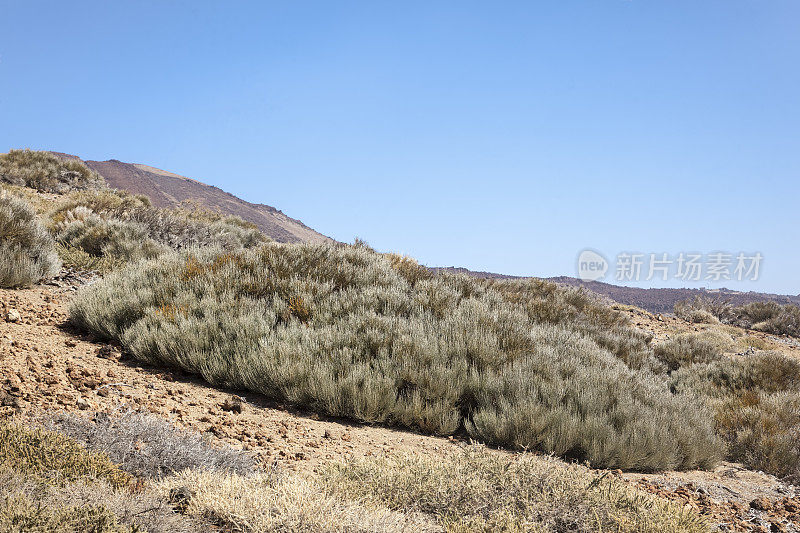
(761,504)
(13,316)
(82,404)
(232,405)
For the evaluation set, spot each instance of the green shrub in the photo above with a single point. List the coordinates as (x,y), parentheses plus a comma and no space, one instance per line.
(26,249)
(46,172)
(479,491)
(690,348)
(339,330)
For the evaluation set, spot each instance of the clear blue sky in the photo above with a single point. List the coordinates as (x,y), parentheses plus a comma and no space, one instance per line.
(500,136)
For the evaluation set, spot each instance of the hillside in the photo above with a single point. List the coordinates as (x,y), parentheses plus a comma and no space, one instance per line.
(210,363)
(653,300)
(166,189)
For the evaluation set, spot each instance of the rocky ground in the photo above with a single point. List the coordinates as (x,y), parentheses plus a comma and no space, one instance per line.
(48,366)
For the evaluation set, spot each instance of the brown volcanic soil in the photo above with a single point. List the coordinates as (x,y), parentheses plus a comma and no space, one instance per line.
(47,366)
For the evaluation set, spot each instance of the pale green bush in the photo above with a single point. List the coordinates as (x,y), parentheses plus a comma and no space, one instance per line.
(339,330)
(121,240)
(46,172)
(690,348)
(27,251)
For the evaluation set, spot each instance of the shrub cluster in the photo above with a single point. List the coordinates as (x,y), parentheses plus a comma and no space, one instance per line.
(46,172)
(770,317)
(109,228)
(690,348)
(349,332)
(757,404)
(27,252)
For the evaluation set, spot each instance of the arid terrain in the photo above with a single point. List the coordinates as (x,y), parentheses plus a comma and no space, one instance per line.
(48,367)
(169,367)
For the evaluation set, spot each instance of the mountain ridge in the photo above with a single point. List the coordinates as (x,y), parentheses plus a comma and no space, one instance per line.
(655,300)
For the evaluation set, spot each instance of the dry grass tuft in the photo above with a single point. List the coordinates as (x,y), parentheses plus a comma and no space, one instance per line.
(54,457)
(480,491)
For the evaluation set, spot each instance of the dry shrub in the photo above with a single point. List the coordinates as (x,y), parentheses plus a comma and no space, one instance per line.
(762,372)
(268,502)
(757,404)
(46,172)
(113,239)
(690,348)
(480,491)
(27,252)
(339,330)
(769,316)
(763,431)
(581,310)
(147,446)
(120,227)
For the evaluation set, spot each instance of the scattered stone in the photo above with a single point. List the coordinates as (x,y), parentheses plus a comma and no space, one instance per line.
(232,405)
(13,316)
(761,504)
(82,404)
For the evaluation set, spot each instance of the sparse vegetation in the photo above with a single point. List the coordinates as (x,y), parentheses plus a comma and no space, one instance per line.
(46,172)
(344,331)
(770,317)
(27,251)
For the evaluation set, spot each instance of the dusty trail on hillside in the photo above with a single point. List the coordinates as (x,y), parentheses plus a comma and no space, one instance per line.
(46,366)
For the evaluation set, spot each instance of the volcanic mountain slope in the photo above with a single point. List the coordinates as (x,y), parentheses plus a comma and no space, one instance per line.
(166,189)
